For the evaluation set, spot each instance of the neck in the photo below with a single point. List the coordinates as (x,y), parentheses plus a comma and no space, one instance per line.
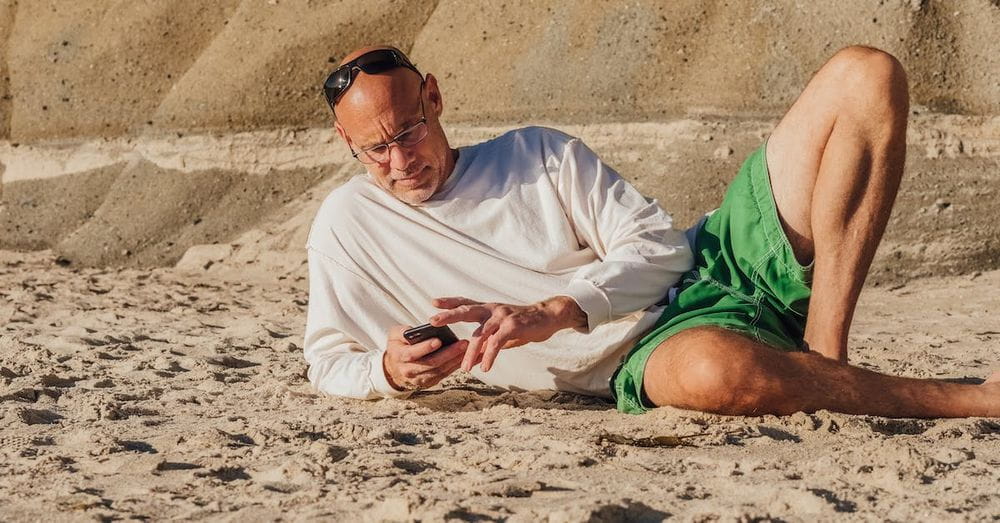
(449,165)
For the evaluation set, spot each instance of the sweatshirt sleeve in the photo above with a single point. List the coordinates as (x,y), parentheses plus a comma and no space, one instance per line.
(640,254)
(339,364)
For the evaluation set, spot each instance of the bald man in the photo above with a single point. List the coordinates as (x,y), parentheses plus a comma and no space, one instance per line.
(555,273)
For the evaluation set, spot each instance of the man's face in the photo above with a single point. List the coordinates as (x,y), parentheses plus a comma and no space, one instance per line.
(376,110)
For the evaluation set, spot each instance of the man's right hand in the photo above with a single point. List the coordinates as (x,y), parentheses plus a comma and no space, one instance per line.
(418,366)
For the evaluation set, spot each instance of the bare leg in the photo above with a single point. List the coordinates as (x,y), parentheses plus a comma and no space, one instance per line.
(714,370)
(836,160)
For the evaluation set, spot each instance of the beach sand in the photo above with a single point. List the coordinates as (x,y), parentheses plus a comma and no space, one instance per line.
(135,394)
(160,164)
(179,392)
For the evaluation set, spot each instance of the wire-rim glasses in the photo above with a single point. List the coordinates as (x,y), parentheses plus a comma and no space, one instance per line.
(409,137)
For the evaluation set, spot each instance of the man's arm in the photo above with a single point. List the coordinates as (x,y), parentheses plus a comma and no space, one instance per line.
(640,257)
(338,364)
(640,254)
(341,366)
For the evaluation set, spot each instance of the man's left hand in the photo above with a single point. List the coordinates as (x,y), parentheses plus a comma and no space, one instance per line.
(503,326)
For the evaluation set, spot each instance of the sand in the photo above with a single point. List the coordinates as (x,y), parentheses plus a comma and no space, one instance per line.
(179,391)
(160,164)
(138,394)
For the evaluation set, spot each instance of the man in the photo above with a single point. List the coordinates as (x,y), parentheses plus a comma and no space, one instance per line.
(563,266)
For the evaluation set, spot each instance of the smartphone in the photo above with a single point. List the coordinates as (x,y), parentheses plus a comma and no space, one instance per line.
(427,331)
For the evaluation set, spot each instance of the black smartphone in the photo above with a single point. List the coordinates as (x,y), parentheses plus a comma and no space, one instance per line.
(427,331)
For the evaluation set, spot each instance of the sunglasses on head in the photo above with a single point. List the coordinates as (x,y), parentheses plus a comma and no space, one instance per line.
(372,62)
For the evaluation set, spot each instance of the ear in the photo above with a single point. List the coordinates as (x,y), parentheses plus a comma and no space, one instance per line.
(342,133)
(433,95)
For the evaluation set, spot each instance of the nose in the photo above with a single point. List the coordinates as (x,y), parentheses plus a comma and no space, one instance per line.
(400,157)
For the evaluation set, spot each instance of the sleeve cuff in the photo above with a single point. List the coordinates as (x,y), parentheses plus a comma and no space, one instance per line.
(591,300)
(378,379)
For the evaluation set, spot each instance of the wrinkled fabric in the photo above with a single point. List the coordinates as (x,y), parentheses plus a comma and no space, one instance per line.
(524,217)
(746,279)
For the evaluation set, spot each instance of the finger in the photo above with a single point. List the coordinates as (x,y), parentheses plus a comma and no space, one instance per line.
(471,354)
(459,363)
(492,349)
(489,329)
(426,376)
(439,358)
(443,370)
(432,379)
(442,357)
(475,313)
(416,351)
(450,302)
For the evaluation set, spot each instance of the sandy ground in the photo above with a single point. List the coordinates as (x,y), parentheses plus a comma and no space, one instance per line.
(140,134)
(156,394)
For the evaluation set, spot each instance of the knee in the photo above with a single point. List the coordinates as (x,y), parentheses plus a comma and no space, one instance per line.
(719,378)
(873,80)
(712,381)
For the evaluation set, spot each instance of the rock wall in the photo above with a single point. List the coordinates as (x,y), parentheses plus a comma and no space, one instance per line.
(130,131)
(101,68)
(598,61)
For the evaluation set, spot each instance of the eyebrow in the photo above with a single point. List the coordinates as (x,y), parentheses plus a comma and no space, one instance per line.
(404,127)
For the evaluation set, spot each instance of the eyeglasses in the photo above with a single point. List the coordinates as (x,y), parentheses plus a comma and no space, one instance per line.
(408,137)
(372,62)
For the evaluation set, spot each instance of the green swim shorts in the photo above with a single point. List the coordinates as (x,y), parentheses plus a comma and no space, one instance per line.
(745,279)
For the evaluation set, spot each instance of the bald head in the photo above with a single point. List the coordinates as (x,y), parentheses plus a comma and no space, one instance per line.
(378,93)
(378,108)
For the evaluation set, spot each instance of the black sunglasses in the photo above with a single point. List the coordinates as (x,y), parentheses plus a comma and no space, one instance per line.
(372,62)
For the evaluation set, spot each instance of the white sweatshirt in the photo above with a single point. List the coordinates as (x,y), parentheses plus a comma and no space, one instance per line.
(526,216)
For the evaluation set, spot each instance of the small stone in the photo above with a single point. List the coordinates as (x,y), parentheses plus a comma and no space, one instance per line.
(211,387)
(52,380)
(952,456)
(165,363)
(38,417)
(201,257)
(723,152)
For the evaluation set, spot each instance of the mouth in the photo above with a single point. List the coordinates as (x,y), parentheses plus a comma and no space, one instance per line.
(411,179)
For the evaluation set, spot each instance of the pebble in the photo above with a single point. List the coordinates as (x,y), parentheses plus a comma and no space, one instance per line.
(723,152)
